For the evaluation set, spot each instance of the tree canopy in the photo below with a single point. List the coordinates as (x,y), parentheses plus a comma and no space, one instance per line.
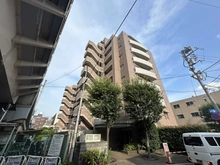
(206,116)
(205,113)
(142,101)
(104,101)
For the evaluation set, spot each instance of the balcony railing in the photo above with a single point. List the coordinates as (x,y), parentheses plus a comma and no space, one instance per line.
(140,53)
(152,76)
(143,63)
(138,45)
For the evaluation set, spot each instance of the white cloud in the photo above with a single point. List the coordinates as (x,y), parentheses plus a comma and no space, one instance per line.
(160,14)
(99,19)
(218,36)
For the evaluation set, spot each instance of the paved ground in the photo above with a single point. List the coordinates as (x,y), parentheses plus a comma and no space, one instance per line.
(141,159)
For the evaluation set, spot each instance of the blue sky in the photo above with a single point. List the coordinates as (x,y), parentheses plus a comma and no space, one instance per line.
(163,26)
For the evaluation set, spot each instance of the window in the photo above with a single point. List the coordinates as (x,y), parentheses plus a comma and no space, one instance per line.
(120,56)
(195,114)
(123,78)
(176,106)
(205,100)
(180,116)
(122,66)
(119,46)
(189,103)
(193,141)
(166,115)
(211,141)
(218,140)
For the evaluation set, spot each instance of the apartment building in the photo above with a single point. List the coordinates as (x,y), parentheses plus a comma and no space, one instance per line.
(38,121)
(68,101)
(119,58)
(186,111)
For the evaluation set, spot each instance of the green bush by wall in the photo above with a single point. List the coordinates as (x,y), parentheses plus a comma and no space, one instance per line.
(173,135)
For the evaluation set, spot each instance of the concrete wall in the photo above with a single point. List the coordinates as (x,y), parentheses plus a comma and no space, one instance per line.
(83,147)
(8,19)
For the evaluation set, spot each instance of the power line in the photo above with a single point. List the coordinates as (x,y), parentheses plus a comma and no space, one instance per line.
(125,17)
(64,75)
(211,65)
(205,4)
(118,28)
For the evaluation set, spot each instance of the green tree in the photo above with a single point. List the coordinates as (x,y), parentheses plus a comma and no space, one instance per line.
(104,101)
(45,132)
(143,102)
(206,116)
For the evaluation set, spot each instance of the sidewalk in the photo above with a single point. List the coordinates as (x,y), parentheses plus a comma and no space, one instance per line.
(141,159)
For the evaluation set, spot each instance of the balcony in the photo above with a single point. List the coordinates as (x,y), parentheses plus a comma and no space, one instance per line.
(68,96)
(60,125)
(91,73)
(143,63)
(138,45)
(91,53)
(145,73)
(62,117)
(89,61)
(79,95)
(65,110)
(93,46)
(67,103)
(140,53)
(87,118)
(70,90)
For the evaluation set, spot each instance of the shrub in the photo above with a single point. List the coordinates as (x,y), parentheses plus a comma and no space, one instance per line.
(95,157)
(154,139)
(130,147)
(67,163)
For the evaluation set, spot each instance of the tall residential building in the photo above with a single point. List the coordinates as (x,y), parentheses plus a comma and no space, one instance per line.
(186,111)
(119,58)
(68,101)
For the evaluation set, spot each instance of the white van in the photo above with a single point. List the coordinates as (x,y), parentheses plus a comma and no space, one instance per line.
(202,147)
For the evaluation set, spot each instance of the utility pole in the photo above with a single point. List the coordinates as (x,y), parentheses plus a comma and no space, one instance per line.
(77,119)
(189,56)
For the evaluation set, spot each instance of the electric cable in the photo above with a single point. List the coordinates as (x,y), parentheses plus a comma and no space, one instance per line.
(64,75)
(211,65)
(205,4)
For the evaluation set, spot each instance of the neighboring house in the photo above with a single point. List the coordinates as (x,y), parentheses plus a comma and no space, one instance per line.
(38,121)
(187,110)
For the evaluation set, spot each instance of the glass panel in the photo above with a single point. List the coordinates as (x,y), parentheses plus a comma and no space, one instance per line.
(218,140)
(194,141)
(211,141)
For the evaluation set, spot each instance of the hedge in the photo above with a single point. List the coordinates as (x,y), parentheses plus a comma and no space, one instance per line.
(173,135)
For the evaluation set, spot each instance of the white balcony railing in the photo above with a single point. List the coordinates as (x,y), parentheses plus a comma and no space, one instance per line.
(145,72)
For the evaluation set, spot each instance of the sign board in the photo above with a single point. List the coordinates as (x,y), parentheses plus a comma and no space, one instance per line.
(56,145)
(34,160)
(51,161)
(215,116)
(165,147)
(15,160)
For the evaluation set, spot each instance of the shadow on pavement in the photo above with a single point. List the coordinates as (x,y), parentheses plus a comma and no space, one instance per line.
(142,159)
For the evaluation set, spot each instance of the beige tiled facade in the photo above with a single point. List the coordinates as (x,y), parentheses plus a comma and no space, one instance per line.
(187,110)
(120,58)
